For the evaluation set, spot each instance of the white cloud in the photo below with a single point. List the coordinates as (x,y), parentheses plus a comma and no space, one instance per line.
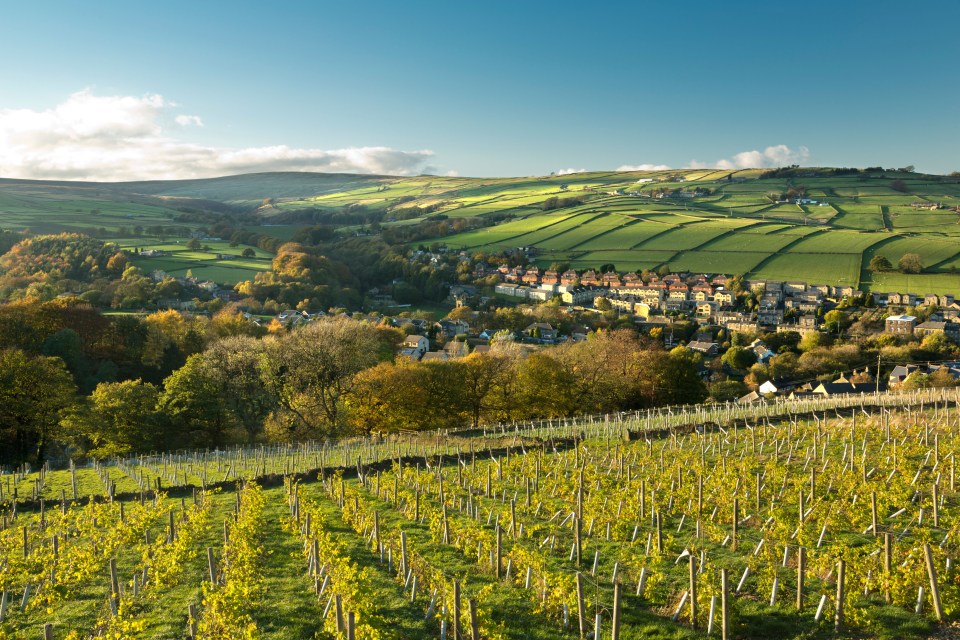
(188,121)
(566,172)
(89,137)
(644,167)
(776,156)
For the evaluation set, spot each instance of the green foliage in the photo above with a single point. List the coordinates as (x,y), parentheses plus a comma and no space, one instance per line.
(34,393)
(880,263)
(119,418)
(739,358)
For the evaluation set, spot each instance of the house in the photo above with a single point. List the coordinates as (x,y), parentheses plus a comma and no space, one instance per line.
(418,344)
(761,350)
(435,356)
(512,290)
(753,396)
(451,328)
(709,349)
(768,387)
(950,329)
(900,373)
(577,295)
(541,330)
(900,324)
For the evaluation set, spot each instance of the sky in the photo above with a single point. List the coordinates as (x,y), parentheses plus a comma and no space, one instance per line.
(103,90)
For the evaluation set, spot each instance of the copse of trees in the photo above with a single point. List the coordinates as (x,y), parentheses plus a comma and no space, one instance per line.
(222,385)
(910,263)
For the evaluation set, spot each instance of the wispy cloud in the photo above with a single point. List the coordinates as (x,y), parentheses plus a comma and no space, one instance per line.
(566,172)
(776,156)
(644,167)
(90,137)
(188,121)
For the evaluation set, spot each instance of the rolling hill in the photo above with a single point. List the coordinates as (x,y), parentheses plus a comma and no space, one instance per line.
(714,221)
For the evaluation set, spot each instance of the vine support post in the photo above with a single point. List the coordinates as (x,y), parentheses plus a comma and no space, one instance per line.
(693,590)
(887,566)
(581,606)
(615,625)
(724,605)
(801,569)
(841,593)
(934,588)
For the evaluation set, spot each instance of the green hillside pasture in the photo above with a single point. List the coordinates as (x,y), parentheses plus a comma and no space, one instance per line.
(623,260)
(581,233)
(832,269)
(910,219)
(933,251)
(216,246)
(838,241)
(204,265)
(862,217)
(717,261)
(625,237)
(581,223)
(47,215)
(918,284)
(756,239)
(692,235)
(502,235)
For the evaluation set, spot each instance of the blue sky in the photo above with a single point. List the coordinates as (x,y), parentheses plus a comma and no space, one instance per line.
(492,88)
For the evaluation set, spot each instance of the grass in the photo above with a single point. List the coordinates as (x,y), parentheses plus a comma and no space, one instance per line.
(618,217)
(203,264)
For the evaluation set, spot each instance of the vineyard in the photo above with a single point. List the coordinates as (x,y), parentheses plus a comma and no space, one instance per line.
(798,525)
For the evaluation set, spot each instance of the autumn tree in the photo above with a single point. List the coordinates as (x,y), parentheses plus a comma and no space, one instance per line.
(312,369)
(910,263)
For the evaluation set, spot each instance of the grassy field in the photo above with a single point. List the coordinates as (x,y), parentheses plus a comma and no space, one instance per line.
(732,223)
(204,264)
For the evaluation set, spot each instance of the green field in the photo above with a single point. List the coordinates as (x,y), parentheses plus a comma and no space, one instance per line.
(204,265)
(725,222)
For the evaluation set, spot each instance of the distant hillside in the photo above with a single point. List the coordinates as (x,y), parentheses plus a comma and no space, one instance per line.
(817,224)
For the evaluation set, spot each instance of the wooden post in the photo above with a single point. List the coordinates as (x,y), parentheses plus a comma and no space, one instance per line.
(192,613)
(114,581)
(456,608)
(841,594)
(887,566)
(724,610)
(338,601)
(801,568)
(693,590)
(615,625)
(581,606)
(351,624)
(474,623)
(873,512)
(577,539)
(932,574)
(47,631)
